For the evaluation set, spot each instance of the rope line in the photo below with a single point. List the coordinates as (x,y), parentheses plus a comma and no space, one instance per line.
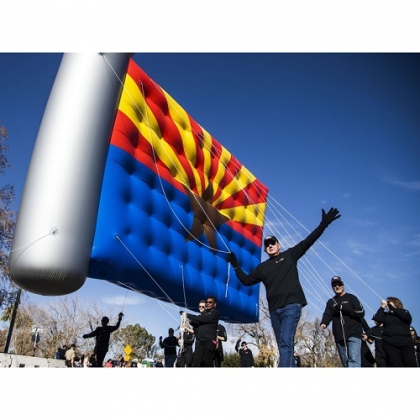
(308,271)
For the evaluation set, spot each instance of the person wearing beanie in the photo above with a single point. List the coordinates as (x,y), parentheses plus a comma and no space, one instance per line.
(245,354)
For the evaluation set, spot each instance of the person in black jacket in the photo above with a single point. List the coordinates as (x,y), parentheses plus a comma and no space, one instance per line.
(169,346)
(396,337)
(416,341)
(221,338)
(346,313)
(367,359)
(376,335)
(206,334)
(103,335)
(247,359)
(280,276)
(185,355)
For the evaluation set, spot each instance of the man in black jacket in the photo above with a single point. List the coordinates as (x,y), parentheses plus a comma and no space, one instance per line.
(221,338)
(103,335)
(376,336)
(280,276)
(169,346)
(206,334)
(346,313)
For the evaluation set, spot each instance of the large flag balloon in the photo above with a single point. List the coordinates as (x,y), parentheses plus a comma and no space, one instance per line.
(173,203)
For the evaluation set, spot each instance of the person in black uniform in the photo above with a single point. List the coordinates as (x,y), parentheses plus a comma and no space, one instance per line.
(416,341)
(221,338)
(396,337)
(346,313)
(103,334)
(376,335)
(280,276)
(195,326)
(169,344)
(247,359)
(367,359)
(206,334)
(185,355)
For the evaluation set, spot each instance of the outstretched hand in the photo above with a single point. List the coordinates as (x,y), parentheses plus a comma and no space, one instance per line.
(233,260)
(329,217)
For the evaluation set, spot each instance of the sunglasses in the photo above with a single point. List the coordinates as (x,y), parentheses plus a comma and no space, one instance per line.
(270,242)
(337,284)
(201,307)
(209,301)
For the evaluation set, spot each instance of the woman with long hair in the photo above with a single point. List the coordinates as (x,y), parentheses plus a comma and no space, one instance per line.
(396,337)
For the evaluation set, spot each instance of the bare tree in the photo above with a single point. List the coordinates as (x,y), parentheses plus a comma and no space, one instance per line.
(7,224)
(63,321)
(260,337)
(316,348)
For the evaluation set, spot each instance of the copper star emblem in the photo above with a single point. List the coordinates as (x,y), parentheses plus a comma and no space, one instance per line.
(206,217)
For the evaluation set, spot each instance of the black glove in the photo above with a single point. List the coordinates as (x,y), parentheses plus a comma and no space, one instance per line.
(233,260)
(329,217)
(181,312)
(120,315)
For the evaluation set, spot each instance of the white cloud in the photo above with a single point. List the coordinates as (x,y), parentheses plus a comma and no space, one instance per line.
(410,185)
(123,300)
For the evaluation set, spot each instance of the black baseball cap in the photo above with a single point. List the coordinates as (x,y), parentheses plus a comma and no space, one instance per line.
(269,240)
(336,279)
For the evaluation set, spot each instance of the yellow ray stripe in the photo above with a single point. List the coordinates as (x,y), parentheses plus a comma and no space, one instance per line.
(131,104)
(252,214)
(182,121)
(242,179)
(206,147)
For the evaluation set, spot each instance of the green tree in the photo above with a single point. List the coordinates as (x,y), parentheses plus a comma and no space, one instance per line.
(231,359)
(138,338)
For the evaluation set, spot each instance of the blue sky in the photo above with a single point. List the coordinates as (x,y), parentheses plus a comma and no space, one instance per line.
(320,130)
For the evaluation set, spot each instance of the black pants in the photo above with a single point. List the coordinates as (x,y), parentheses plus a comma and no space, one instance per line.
(380,356)
(218,358)
(100,356)
(185,358)
(402,356)
(204,351)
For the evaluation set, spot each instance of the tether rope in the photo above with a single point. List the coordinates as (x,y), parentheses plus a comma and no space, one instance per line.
(305,262)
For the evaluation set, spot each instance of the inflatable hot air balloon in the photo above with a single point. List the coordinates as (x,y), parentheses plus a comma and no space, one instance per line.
(138,194)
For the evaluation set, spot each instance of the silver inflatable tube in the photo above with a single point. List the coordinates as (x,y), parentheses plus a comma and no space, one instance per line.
(57,216)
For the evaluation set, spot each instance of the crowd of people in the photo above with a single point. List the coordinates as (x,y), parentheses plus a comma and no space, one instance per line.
(200,341)
(393,337)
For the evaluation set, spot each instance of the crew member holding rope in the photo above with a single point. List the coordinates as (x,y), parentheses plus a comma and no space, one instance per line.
(346,313)
(206,338)
(280,276)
